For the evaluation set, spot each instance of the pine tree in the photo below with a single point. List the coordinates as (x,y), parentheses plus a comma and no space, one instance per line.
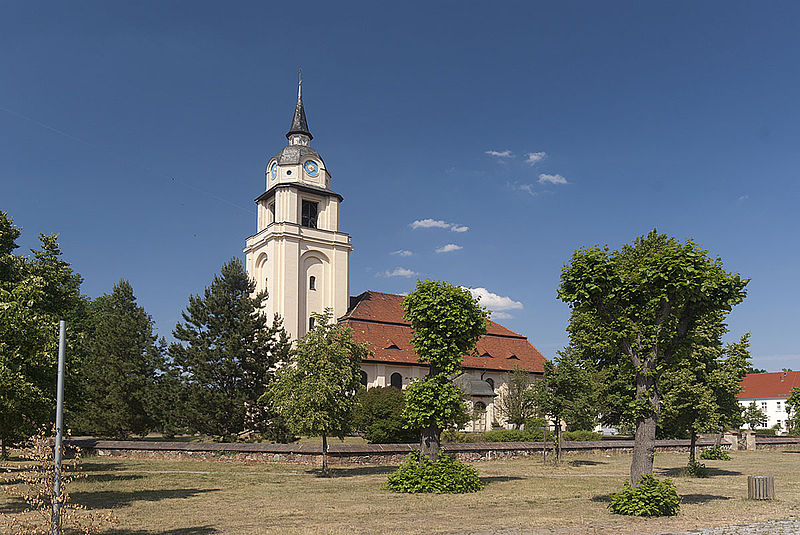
(227,355)
(121,367)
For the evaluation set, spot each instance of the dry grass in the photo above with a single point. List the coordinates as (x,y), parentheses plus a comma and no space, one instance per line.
(521,496)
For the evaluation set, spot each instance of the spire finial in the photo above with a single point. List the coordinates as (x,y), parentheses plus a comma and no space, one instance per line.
(299,124)
(299,83)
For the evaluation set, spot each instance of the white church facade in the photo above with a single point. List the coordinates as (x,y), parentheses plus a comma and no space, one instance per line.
(302,259)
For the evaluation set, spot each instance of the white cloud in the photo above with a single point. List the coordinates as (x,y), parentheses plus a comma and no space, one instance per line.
(552,179)
(527,188)
(438,223)
(448,248)
(429,223)
(501,316)
(743,198)
(533,157)
(402,252)
(499,154)
(493,301)
(397,272)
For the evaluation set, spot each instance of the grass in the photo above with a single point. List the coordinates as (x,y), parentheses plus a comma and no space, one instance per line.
(521,496)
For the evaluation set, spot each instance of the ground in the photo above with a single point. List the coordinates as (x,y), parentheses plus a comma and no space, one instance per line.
(521,496)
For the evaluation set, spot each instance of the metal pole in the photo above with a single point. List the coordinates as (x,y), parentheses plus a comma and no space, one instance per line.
(62,342)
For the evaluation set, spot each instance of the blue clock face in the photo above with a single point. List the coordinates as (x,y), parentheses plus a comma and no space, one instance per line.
(273,169)
(311,168)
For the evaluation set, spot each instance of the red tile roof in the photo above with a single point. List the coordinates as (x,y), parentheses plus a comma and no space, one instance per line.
(377,318)
(769,385)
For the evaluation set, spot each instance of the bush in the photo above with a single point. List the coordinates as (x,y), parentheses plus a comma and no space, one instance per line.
(581,435)
(507,435)
(650,498)
(378,416)
(445,476)
(715,454)
(696,469)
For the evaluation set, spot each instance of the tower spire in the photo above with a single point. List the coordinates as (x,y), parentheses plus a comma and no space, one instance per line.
(299,123)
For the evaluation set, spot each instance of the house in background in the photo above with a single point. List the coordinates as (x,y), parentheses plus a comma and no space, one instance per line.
(769,392)
(302,259)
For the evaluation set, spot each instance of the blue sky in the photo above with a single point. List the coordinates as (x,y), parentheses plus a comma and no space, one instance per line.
(140,132)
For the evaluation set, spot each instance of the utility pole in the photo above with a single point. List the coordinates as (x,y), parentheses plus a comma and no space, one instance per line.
(62,342)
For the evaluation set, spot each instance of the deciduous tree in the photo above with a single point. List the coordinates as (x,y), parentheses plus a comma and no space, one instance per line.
(314,392)
(793,411)
(648,296)
(753,416)
(515,401)
(447,322)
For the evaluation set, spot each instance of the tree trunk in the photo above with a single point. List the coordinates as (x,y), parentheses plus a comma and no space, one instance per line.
(558,441)
(644,444)
(718,437)
(324,454)
(429,445)
(692,447)
(3,449)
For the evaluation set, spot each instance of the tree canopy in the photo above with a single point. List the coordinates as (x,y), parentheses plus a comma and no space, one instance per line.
(647,297)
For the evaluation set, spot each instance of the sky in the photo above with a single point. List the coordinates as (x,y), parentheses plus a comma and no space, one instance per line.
(474,142)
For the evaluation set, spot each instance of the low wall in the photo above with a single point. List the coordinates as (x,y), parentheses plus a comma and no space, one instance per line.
(378,453)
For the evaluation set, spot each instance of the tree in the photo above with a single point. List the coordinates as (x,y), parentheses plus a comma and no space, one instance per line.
(567,394)
(753,416)
(314,392)
(378,415)
(447,322)
(515,401)
(120,370)
(793,411)
(700,391)
(226,356)
(34,294)
(647,297)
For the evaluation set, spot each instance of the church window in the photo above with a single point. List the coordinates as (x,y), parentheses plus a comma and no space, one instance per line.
(364,378)
(513,357)
(396,380)
(479,416)
(491,383)
(312,283)
(271,212)
(311,323)
(289,172)
(309,214)
(393,347)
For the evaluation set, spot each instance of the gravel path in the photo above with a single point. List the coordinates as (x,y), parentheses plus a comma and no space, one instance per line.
(790,526)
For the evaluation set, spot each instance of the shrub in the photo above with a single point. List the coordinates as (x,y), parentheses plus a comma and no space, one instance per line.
(650,498)
(716,454)
(506,435)
(581,435)
(696,469)
(378,416)
(445,476)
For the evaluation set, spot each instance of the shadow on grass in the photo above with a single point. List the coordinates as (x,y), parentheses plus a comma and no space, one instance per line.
(701,498)
(583,462)
(111,477)
(680,471)
(110,499)
(601,498)
(500,479)
(13,506)
(197,530)
(355,471)
(88,466)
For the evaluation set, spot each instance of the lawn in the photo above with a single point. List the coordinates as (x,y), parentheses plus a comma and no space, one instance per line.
(521,496)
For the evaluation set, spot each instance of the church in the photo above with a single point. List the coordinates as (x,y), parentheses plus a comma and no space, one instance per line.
(299,255)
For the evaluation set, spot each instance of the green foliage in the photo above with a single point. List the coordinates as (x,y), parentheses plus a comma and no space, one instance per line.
(638,306)
(753,416)
(715,454)
(120,369)
(793,410)
(650,497)
(517,435)
(378,416)
(567,392)
(434,401)
(34,294)
(447,475)
(515,401)
(225,358)
(696,469)
(447,321)
(314,392)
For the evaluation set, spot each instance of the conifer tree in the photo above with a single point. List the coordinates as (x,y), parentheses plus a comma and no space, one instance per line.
(120,368)
(227,356)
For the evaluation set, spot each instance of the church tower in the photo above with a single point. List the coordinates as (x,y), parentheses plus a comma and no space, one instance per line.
(298,254)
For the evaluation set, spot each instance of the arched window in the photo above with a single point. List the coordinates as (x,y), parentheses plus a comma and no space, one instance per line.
(396,380)
(491,383)
(312,283)
(479,416)
(364,378)
(311,323)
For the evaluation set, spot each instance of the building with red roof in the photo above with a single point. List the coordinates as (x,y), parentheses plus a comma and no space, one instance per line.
(769,391)
(301,258)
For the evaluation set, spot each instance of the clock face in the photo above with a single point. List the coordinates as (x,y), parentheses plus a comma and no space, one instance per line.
(273,170)
(311,168)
